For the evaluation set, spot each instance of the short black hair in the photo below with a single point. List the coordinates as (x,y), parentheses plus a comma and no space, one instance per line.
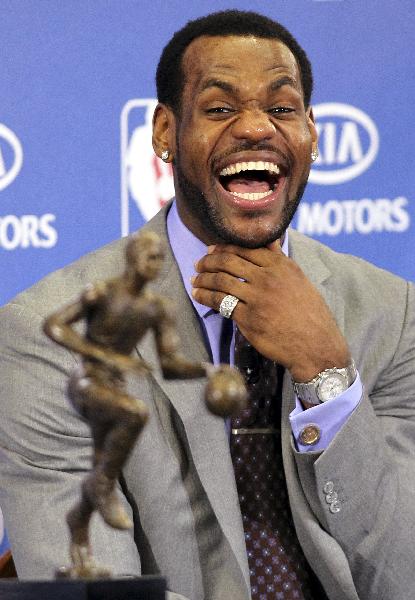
(170,77)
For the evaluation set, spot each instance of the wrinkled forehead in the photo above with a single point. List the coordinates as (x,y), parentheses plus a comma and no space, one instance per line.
(233,55)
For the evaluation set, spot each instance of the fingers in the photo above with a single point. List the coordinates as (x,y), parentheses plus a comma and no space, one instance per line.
(221,282)
(213,299)
(222,262)
(241,272)
(228,269)
(213,282)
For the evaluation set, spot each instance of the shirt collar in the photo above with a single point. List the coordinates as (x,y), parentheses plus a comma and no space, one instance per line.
(188,249)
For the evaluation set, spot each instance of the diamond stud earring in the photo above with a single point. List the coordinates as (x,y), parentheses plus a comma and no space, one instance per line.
(165,155)
(314,154)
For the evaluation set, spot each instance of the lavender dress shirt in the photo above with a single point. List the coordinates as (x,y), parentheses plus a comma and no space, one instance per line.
(329,416)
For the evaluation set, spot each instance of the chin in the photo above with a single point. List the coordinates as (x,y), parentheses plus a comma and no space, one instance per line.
(249,235)
(217,216)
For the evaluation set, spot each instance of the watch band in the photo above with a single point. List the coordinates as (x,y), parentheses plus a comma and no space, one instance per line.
(327,385)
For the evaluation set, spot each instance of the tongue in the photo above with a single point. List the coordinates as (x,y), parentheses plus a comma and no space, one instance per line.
(243,186)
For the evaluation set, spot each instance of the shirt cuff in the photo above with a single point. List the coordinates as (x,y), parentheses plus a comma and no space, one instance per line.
(314,428)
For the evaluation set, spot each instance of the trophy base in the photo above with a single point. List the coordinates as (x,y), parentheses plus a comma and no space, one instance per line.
(91,572)
(140,588)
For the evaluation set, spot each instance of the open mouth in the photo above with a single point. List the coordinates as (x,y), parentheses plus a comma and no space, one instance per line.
(253,180)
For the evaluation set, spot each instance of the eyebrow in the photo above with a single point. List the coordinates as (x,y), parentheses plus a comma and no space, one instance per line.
(218,83)
(230,89)
(278,83)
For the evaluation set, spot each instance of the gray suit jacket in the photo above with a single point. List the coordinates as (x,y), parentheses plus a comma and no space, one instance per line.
(178,484)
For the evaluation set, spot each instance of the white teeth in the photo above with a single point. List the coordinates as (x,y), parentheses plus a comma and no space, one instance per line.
(253,195)
(258,165)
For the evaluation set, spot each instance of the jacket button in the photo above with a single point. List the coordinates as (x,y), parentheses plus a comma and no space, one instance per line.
(310,435)
(331,497)
(335,507)
(328,487)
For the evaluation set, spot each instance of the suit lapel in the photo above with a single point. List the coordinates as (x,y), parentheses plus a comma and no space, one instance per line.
(206,434)
(316,544)
(303,252)
(319,275)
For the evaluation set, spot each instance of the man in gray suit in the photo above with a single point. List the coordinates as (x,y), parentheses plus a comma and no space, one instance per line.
(235,120)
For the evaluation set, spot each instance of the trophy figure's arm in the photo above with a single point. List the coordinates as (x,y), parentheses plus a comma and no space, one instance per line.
(173,364)
(225,392)
(58,327)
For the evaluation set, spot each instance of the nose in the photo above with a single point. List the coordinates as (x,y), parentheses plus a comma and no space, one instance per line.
(253,125)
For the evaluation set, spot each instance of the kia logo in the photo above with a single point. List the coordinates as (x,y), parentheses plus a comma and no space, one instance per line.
(11,156)
(348,143)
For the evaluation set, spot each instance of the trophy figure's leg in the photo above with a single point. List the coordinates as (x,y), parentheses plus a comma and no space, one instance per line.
(116,420)
(115,431)
(83,564)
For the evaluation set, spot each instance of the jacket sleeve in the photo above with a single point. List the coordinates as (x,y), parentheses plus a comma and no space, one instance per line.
(361,487)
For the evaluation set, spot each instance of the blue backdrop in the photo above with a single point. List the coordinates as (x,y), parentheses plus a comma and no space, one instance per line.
(76,96)
(78,88)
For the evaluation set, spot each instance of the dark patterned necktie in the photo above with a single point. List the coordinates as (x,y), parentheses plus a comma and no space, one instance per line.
(278,568)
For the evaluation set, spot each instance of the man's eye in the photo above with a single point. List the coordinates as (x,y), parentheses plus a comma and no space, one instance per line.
(280,110)
(219,110)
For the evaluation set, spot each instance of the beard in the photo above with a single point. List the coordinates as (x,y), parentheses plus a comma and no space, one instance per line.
(219,229)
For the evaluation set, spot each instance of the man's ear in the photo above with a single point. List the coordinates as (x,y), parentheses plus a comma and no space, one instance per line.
(312,128)
(164,132)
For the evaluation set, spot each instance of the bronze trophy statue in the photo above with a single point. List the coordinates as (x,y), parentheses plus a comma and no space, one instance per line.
(117,313)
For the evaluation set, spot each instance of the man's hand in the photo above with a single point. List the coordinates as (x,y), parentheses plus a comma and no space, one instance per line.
(280,312)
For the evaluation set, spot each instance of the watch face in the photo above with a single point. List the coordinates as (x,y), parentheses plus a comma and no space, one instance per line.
(332,385)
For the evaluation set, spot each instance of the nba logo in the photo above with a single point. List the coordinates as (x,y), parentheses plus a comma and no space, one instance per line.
(146,181)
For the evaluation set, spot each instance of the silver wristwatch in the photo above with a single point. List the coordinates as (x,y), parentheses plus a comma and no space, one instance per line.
(326,385)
